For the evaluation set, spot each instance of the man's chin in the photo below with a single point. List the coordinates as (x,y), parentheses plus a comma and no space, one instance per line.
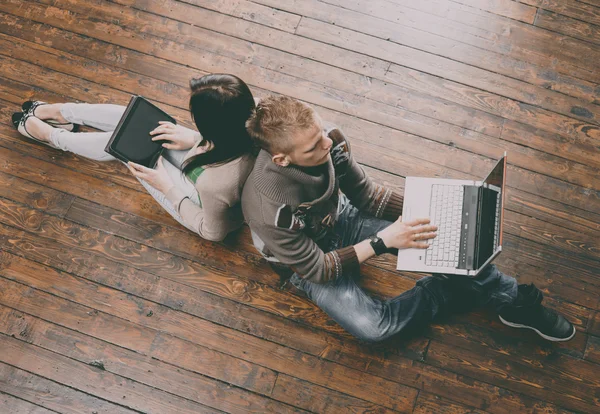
(325,160)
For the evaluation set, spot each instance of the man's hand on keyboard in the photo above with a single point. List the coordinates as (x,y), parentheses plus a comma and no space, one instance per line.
(412,234)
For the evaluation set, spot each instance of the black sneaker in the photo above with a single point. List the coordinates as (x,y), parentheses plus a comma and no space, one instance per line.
(529,313)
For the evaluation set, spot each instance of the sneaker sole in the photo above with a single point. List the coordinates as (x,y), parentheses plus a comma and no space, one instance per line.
(549,338)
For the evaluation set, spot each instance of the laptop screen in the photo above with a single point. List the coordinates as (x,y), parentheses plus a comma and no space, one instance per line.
(496,181)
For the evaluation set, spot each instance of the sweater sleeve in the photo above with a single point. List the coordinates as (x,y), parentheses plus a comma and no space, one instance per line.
(212,221)
(369,197)
(303,255)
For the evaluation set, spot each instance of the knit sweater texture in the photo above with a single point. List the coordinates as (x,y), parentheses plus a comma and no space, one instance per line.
(292,213)
(219,190)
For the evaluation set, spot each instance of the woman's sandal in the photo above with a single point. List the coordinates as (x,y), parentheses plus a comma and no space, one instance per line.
(19,119)
(30,106)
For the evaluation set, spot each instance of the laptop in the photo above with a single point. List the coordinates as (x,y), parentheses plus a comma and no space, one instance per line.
(468,215)
(131,139)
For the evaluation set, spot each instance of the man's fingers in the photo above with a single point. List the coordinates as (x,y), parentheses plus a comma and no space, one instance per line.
(420,245)
(424,229)
(425,236)
(419,221)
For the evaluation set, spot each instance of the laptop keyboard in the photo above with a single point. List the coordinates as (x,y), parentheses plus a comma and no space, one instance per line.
(446,214)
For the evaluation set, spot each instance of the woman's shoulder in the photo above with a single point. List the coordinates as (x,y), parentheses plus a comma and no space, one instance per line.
(231,175)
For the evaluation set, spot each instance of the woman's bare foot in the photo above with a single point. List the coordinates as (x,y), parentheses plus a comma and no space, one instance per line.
(50,111)
(38,128)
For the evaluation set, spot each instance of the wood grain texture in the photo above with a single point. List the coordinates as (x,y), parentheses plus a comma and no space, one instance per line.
(108,305)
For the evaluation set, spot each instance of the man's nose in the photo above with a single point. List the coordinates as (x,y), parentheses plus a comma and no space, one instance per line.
(328,143)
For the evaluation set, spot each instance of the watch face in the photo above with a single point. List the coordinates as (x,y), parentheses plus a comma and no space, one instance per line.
(378,245)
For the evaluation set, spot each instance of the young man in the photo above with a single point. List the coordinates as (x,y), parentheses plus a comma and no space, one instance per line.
(298,218)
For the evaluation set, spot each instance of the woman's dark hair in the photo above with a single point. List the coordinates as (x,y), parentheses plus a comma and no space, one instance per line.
(220,105)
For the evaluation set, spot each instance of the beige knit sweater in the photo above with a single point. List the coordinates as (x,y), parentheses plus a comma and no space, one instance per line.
(220,190)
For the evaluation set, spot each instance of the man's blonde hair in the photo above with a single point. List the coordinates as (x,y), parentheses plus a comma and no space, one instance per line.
(276,119)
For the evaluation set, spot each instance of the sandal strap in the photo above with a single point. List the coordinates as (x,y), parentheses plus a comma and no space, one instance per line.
(28,135)
(48,121)
(24,122)
(34,105)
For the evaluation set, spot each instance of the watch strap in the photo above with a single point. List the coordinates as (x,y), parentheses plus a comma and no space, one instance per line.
(378,245)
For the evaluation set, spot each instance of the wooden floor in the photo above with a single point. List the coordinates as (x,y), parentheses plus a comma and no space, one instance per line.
(107,305)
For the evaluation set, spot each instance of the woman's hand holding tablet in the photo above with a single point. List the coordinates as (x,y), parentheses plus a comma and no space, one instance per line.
(157,178)
(176,137)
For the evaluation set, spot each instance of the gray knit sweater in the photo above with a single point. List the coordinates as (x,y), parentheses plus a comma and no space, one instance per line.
(291,211)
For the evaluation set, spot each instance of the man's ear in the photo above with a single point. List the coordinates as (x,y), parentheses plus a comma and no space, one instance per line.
(281,159)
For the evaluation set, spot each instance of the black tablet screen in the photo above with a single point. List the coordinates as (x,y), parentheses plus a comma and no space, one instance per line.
(133,141)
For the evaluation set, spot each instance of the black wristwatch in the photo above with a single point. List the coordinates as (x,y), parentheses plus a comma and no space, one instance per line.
(378,245)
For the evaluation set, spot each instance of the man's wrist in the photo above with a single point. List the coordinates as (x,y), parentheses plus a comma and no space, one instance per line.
(378,245)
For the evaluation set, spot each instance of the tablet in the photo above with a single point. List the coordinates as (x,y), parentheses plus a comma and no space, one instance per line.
(131,139)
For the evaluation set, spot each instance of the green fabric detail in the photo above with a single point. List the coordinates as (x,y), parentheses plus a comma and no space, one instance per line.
(193,177)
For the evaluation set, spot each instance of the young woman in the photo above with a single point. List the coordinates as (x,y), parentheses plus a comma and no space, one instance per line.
(200,177)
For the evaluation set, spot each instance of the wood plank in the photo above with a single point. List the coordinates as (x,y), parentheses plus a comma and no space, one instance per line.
(506,8)
(592,352)
(594,325)
(546,98)
(423,104)
(162,238)
(581,351)
(372,276)
(19,70)
(401,54)
(551,381)
(409,145)
(216,364)
(84,213)
(456,12)
(257,13)
(44,278)
(319,399)
(376,280)
(473,392)
(582,151)
(519,40)
(314,7)
(137,367)
(374,389)
(100,383)
(390,373)
(227,289)
(437,44)
(49,394)
(183,17)
(14,405)
(509,109)
(428,403)
(136,230)
(568,26)
(409,171)
(575,9)
(53,202)
(462,142)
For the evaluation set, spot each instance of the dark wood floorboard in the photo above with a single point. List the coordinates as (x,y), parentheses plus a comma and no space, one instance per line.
(108,305)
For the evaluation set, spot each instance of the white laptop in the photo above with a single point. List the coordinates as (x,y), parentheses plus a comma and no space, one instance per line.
(468,215)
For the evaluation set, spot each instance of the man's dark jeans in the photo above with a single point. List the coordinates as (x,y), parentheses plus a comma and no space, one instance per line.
(373,320)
